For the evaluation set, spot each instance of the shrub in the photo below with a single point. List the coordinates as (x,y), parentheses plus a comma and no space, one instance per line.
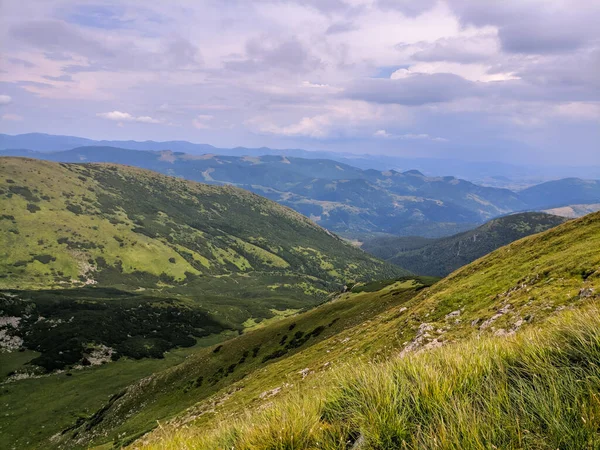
(44,259)
(32,207)
(75,209)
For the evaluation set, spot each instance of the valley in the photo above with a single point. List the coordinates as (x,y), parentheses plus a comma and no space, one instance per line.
(215,300)
(163,262)
(510,317)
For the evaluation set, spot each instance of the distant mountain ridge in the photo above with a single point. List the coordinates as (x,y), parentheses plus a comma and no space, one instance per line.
(489,173)
(337,196)
(346,199)
(440,257)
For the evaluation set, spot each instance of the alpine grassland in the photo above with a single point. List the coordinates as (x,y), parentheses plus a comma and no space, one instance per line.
(503,353)
(536,390)
(247,366)
(160,261)
(110,274)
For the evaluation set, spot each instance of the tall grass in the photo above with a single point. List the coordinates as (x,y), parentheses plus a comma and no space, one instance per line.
(539,390)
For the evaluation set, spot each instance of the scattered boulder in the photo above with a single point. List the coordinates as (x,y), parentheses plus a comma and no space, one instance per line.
(304,372)
(453,314)
(271,393)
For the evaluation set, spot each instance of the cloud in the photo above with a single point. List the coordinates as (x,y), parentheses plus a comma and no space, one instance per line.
(412,89)
(340,119)
(5,99)
(202,121)
(22,62)
(578,110)
(410,136)
(535,26)
(341,27)
(314,127)
(57,36)
(12,117)
(64,77)
(95,52)
(411,8)
(262,54)
(382,134)
(465,50)
(126,117)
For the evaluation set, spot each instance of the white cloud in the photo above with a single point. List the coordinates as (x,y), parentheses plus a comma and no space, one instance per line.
(126,117)
(578,110)
(346,118)
(202,121)
(410,136)
(13,117)
(472,72)
(146,119)
(315,127)
(422,136)
(5,99)
(382,134)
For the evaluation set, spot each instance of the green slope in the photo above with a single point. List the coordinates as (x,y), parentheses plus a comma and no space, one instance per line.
(66,224)
(439,257)
(514,290)
(90,413)
(155,258)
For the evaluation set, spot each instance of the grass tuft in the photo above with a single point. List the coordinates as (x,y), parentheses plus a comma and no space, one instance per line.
(537,390)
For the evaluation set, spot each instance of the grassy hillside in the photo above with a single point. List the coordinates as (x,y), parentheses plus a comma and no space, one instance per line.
(536,391)
(112,411)
(120,226)
(154,258)
(439,257)
(455,370)
(574,211)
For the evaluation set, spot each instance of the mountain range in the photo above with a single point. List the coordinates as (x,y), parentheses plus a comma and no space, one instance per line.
(492,173)
(353,202)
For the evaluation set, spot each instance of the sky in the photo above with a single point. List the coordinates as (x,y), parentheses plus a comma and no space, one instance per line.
(512,80)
